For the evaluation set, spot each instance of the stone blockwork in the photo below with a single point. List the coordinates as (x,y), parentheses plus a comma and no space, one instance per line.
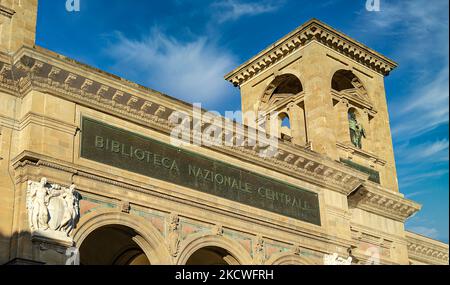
(43,99)
(316,54)
(17,24)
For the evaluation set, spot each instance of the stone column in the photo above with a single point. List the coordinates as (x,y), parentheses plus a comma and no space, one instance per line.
(318,101)
(343,128)
(367,142)
(298,126)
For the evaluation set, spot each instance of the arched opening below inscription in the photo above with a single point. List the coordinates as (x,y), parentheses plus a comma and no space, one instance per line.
(212,256)
(112,245)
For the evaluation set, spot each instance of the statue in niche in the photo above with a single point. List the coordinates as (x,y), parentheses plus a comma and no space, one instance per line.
(52,208)
(357,131)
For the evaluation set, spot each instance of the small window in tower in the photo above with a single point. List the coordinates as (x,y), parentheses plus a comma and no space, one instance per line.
(285,126)
(286,122)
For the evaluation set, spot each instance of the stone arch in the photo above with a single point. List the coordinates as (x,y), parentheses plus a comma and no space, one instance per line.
(281,90)
(284,125)
(282,84)
(355,111)
(345,80)
(293,72)
(149,239)
(197,242)
(289,259)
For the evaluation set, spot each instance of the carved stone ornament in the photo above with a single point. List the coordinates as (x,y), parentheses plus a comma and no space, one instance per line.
(259,255)
(174,235)
(334,259)
(52,210)
(217,230)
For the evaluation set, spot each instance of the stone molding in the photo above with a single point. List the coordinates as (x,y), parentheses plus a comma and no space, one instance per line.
(48,75)
(426,250)
(347,147)
(382,202)
(27,166)
(382,242)
(313,30)
(7,12)
(38,70)
(353,100)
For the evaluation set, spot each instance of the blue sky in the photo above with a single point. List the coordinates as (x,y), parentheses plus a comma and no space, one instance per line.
(184,48)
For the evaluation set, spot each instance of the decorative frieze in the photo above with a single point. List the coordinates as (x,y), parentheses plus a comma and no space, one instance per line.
(53,211)
(383,203)
(425,250)
(287,159)
(6,12)
(5,71)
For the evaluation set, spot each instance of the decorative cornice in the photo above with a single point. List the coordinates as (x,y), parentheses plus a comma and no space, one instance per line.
(35,70)
(29,166)
(344,97)
(313,30)
(364,154)
(426,250)
(37,119)
(384,203)
(60,78)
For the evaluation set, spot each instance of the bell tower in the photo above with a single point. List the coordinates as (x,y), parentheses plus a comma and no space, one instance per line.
(327,91)
(17,24)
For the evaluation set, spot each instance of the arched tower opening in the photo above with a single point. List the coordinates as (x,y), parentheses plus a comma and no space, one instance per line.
(282,102)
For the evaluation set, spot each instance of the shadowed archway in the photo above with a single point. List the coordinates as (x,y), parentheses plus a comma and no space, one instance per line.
(212,256)
(139,238)
(112,245)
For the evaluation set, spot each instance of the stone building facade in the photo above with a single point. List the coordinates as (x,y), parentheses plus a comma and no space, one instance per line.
(88,166)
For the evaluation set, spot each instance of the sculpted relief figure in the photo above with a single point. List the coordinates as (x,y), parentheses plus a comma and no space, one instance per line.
(259,255)
(71,212)
(37,202)
(52,208)
(174,235)
(357,131)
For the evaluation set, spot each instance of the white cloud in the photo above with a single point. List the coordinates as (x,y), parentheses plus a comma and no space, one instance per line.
(425,109)
(422,29)
(231,10)
(426,231)
(412,180)
(421,33)
(414,194)
(436,151)
(189,70)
